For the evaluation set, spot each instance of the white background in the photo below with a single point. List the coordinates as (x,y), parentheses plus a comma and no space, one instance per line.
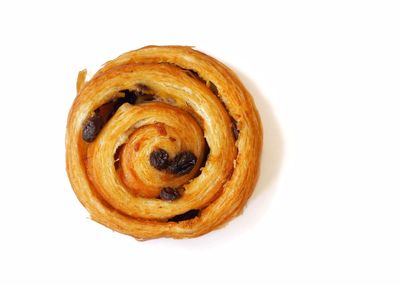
(326,79)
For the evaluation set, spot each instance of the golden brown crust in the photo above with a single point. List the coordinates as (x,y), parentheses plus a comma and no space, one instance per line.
(197,97)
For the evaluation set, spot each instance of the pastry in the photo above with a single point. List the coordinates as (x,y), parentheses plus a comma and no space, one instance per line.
(163,141)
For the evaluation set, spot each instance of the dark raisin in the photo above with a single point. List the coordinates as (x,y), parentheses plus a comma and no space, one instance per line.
(206,153)
(195,75)
(213,88)
(140,94)
(183,163)
(169,194)
(118,103)
(185,216)
(106,111)
(92,128)
(117,164)
(130,96)
(118,152)
(159,159)
(235,130)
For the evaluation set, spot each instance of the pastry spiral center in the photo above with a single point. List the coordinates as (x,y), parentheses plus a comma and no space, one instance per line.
(160,153)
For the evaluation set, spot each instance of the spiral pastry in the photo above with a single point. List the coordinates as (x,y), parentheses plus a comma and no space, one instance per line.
(163,141)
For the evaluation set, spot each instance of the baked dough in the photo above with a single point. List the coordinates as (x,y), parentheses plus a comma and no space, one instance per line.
(174,106)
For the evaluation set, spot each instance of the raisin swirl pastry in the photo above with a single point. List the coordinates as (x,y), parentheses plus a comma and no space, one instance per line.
(163,141)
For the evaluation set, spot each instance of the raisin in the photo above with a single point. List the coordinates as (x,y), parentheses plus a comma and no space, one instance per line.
(235,130)
(106,111)
(192,73)
(169,194)
(92,128)
(141,93)
(117,164)
(130,96)
(213,88)
(206,154)
(185,216)
(159,159)
(183,163)
(95,123)
(118,152)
